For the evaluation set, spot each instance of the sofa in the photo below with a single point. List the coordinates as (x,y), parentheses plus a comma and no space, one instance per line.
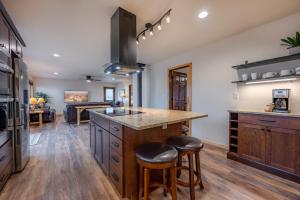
(70,111)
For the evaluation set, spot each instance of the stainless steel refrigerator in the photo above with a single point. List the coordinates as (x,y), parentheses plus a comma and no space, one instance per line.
(21,112)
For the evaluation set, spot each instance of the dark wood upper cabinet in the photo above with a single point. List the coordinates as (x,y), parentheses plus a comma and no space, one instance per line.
(19,49)
(252,142)
(282,145)
(4,35)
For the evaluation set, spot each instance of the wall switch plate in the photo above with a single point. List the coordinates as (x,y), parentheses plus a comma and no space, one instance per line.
(165,126)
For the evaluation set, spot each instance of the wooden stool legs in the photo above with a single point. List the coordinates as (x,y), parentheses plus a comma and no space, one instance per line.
(192,172)
(170,186)
(146,183)
(198,168)
(191,176)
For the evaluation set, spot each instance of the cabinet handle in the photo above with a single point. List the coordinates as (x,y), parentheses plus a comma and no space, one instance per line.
(115,177)
(116,129)
(268,121)
(268,130)
(115,159)
(262,129)
(115,144)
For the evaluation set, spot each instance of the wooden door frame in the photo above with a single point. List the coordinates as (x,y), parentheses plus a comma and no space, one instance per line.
(189,84)
(189,87)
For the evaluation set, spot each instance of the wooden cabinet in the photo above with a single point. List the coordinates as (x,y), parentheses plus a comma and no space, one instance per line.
(4,35)
(252,142)
(92,138)
(105,151)
(282,145)
(98,145)
(270,143)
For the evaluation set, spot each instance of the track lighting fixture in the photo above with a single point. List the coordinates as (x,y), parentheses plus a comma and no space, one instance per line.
(151,27)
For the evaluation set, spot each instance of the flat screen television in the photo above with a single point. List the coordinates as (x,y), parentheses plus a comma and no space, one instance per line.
(76,96)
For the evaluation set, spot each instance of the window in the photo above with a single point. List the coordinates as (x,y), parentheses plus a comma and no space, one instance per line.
(109,94)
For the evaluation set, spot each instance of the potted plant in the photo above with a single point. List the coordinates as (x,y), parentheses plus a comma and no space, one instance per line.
(292,43)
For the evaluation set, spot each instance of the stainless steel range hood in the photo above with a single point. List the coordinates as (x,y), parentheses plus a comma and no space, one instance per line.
(123,44)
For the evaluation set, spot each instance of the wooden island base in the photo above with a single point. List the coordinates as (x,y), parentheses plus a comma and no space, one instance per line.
(113,146)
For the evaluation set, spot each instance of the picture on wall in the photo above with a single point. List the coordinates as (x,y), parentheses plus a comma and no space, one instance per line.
(76,96)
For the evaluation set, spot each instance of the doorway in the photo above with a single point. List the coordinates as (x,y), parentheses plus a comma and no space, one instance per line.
(180,91)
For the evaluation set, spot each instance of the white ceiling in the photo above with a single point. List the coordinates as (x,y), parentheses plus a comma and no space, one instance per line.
(79,30)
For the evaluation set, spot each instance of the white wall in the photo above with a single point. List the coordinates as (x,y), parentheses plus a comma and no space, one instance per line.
(213,93)
(55,89)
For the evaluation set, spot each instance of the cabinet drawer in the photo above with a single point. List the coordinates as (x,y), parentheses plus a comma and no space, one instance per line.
(116,129)
(5,155)
(101,121)
(116,143)
(116,160)
(271,121)
(116,178)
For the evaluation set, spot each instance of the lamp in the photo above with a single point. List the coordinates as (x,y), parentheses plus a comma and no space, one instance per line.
(41,100)
(33,101)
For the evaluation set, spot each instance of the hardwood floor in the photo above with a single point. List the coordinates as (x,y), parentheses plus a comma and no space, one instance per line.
(61,167)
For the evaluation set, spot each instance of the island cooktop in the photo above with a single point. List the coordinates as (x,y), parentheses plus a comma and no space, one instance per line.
(118,112)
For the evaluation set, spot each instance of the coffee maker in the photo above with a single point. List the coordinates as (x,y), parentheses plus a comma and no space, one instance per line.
(281,100)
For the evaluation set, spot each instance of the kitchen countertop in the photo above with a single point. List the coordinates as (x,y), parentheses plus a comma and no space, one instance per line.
(150,117)
(262,112)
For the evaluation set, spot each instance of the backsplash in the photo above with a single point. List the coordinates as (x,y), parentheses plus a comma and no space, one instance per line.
(256,97)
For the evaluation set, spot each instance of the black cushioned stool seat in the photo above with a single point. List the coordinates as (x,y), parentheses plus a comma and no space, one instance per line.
(156,156)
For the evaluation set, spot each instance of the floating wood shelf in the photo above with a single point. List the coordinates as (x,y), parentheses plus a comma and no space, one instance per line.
(268,79)
(268,62)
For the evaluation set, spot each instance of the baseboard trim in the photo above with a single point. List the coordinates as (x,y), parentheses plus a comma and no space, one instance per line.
(222,146)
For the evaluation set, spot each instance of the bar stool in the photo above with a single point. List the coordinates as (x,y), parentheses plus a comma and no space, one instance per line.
(191,147)
(156,156)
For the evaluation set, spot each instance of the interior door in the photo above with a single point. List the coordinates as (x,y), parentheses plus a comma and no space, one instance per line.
(252,142)
(283,149)
(179,91)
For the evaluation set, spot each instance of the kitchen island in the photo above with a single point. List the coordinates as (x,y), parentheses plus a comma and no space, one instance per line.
(115,133)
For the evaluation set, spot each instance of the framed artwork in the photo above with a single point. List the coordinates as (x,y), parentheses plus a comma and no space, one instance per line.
(76,96)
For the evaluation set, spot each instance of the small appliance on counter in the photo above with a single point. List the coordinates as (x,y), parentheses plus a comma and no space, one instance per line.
(281,100)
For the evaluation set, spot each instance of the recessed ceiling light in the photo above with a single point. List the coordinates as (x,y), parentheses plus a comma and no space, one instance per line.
(203,14)
(108,72)
(118,67)
(56,55)
(55,73)
(127,74)
(113,79)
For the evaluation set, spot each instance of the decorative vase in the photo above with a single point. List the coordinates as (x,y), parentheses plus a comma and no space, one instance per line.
(295,50)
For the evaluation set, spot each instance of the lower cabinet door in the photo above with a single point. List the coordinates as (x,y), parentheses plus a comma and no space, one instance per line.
(93,138)
(98,145)
(283,147)
(252,142)
(105,151)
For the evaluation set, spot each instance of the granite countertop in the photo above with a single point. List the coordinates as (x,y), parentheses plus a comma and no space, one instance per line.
(262,112)
(150,118)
